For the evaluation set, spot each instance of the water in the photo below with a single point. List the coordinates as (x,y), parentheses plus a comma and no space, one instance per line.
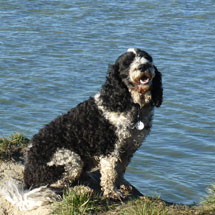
(54,54)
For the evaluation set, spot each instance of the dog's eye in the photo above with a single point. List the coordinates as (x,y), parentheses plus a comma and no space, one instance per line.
(144,67)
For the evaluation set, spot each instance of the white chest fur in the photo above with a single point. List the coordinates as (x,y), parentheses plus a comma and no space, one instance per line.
(121,120)
(127,131)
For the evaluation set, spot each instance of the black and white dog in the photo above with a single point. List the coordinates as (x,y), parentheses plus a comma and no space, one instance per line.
(102,132)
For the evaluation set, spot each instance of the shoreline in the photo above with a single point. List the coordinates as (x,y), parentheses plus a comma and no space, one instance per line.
(12,153)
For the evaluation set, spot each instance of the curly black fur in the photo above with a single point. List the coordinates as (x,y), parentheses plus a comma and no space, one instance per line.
(157,90)
(79,130)
(84,129)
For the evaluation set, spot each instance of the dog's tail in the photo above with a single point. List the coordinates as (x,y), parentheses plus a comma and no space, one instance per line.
(27,199)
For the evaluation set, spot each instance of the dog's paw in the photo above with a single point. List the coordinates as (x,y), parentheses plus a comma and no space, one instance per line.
(114,194)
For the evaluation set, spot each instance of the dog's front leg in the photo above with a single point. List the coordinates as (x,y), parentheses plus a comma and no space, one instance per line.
(109,169)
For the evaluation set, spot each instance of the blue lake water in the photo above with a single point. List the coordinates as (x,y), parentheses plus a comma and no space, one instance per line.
(55,54)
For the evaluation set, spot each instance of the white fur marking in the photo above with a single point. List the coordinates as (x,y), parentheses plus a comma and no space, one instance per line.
(134,72)
(132,50)
(108,174)
(62,157)
(121,120)
(138,61)
(71,161)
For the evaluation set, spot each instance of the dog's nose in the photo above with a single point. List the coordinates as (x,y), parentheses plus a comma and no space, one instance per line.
(147,70)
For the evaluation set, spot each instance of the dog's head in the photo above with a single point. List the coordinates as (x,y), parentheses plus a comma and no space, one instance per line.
(136,70)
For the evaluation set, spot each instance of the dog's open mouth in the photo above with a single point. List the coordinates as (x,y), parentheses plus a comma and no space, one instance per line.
(144,80)
(143,84)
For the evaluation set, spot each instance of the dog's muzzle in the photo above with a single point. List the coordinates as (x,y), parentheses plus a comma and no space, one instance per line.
(142,80)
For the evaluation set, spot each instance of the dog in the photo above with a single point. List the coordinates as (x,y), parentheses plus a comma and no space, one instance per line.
(103,131)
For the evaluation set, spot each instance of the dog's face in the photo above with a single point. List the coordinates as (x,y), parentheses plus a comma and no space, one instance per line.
(141,77)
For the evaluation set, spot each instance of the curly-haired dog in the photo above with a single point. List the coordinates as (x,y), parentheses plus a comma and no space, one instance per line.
(103,131)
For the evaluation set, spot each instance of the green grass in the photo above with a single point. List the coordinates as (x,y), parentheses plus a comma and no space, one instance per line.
(83,204)
(78,202)
(12,148)
(143,206)
(208,204)
(210,198)
(74,204)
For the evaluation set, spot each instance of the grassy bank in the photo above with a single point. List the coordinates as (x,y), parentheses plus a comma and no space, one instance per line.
(74,203)
(82,200)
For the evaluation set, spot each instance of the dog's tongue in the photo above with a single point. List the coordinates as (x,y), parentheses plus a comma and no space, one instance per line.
(143,82)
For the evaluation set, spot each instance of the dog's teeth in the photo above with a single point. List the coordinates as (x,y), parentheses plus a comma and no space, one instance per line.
(144,82)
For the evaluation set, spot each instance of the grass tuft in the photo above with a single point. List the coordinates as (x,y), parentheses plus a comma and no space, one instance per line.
(82,200)
(80,203)
(12,148)
(208,204)
(74,203)
(210,198)
(144,206)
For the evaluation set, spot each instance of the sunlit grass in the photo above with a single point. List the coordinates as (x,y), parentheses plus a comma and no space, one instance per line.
(11,148)
(144,207)
(74,203)
(78,201)
(210,198)
(208,204)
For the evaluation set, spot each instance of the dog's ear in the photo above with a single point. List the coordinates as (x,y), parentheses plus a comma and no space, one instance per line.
(115,95)
(113,71)
(125,60)
(157,89)
(120,69)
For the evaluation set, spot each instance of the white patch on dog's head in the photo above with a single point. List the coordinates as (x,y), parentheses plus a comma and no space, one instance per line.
(134,50)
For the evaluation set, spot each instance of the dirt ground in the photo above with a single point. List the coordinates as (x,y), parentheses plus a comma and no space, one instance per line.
(12,170)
